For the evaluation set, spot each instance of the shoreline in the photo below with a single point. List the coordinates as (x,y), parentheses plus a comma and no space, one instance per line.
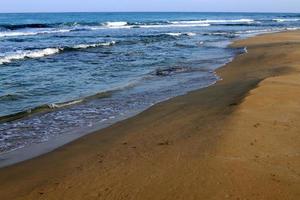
(195,136)
(38,149)
(23,154)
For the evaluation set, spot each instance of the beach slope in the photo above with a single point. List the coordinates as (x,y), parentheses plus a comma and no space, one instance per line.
(237,139)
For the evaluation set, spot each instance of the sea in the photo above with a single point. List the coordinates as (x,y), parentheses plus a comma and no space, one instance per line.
(72,73)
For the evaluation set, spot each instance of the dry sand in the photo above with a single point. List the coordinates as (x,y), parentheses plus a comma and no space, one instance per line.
(238,139)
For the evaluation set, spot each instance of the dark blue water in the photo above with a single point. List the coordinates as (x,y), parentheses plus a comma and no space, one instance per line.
(65,72)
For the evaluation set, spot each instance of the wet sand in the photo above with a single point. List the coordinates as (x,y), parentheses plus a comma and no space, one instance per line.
(238,139)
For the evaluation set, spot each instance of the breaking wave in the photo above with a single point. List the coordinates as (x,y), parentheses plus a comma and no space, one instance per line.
(85,46)
(9,28)
(181,34)
(116,25)
(28,54)
(31,54)
(28,33)
(214,21)
(286,20)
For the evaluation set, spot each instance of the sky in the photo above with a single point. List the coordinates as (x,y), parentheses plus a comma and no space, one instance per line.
(150,5)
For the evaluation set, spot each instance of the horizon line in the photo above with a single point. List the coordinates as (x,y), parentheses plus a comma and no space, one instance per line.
(53,12)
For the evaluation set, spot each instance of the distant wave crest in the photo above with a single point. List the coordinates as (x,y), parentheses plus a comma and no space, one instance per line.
(85,46)
(28,33)
(286,20)
(214,21)
(181,34)
(13,30)
(116,25)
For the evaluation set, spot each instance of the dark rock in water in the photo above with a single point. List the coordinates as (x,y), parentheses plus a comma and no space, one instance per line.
(171,70)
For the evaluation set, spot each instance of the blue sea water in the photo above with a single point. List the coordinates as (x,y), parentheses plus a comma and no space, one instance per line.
(64,72)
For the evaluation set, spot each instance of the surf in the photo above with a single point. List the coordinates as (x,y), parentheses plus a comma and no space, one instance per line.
(33,54)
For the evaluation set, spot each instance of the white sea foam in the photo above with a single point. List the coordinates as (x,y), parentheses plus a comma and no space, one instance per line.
(293,28)
(14,34)
(271,30)
(286,20)
(27,33)
(219,33)
(214,21)
(85,46)
(19,55)
(191,23)
(28,54)
(190,34)
(173,25)
(180,34)
(197,23)
(174,34)
(253,31)
(262,31)
(61,105)
(111,25)
(125,25)
(117,25)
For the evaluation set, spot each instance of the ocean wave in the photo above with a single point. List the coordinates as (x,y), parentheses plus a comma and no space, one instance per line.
(196,23)
(174,70)
(35,29)
(293,28)
(152,38)
(158,37)
(221,33)
(28,54)
(286,20)
(54,106)
(117,25)
(181,34)
(38,109)
(128,26)
(76,26)
(61,105)
(99,95)
(173,25)
(270,30)
(261,31)
(214,21)
(85,46)
(31,54)
(162,24)
(23,26)
(27,33)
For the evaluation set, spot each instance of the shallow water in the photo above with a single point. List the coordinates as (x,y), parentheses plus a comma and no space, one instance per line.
(64,72)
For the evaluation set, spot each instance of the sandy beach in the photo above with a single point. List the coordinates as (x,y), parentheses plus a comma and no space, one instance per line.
(237,139)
